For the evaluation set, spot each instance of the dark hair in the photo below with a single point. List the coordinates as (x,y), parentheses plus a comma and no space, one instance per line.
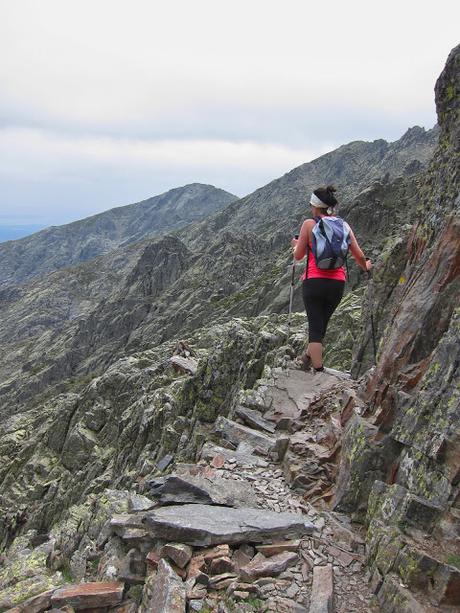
(326,195)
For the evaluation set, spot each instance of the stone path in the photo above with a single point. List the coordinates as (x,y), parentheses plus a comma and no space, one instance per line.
(335,543)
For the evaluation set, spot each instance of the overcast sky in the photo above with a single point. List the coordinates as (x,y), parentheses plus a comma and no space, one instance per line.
(107,102)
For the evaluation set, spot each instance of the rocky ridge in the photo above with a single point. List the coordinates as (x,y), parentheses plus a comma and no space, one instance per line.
(79,320)
(57,247)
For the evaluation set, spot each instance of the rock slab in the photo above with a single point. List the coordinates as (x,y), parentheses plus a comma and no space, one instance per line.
(196,489)
(322,593)
(202,525)
(89,595)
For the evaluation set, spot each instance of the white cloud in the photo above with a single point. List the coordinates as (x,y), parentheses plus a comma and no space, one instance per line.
(41,155)
(236,91)
(79,175)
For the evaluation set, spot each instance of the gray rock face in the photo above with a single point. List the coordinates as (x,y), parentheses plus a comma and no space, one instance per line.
(204,525)
(175,489)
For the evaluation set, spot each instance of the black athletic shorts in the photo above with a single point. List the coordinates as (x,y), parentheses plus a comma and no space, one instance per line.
(321,297)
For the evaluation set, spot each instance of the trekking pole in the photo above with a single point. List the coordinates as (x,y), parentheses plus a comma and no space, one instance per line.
(291,293)
(370,291)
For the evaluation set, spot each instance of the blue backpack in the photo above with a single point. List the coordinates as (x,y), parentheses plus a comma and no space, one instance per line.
(330,242)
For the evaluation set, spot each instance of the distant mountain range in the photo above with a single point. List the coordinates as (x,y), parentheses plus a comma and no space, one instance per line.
(61,246)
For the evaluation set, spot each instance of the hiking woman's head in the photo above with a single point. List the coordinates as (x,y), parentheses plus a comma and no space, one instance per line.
(323,200)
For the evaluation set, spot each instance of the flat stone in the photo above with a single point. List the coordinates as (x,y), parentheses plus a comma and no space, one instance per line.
(219,580)
(343,558)
(137,502)
(89,595)
(179,553)
(277,547)
(236,433)
(164,592)
(184,365)
(197,489)
(254,419)
(322,593)
(123,523)
(268,567)
(240,456)
(201,525)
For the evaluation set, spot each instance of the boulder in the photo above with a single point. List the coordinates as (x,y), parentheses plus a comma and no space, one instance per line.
(201,525)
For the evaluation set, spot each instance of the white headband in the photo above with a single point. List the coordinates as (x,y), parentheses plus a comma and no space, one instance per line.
(315,201)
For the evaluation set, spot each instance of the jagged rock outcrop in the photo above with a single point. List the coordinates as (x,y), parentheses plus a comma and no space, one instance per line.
(402,461)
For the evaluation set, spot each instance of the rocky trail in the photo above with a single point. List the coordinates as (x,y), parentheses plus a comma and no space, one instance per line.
(246,528)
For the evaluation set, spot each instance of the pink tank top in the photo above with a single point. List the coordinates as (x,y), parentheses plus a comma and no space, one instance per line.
(313,272)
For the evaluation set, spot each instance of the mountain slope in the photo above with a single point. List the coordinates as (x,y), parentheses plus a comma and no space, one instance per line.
(61,246)
(82,318)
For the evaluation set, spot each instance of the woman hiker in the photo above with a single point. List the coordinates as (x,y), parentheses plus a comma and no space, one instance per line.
(322,288)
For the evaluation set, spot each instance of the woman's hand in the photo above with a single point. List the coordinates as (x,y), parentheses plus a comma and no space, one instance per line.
(368,264)
(294,242)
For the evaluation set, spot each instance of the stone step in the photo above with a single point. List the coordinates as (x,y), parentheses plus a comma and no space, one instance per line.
(239,457)
(243,437)
(202,525)
(254,419)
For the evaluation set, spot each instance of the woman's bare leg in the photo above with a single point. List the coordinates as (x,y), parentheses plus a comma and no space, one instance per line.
(315,351)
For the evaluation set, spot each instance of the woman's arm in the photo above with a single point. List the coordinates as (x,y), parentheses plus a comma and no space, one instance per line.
(300,245)
(358,254)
